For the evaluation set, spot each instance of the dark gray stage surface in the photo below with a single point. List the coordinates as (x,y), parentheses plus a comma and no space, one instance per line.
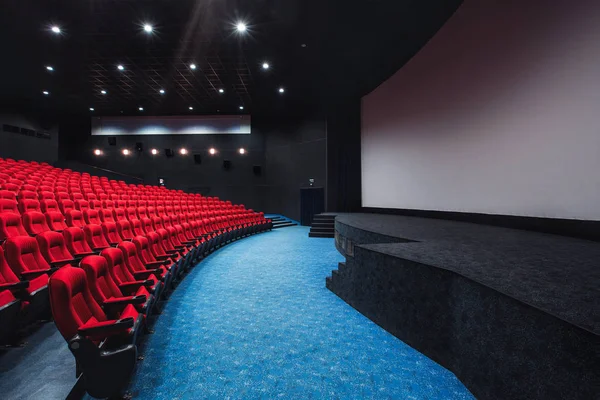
(557,274)
(514,314)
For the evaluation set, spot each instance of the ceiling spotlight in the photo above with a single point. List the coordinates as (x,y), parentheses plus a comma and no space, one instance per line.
(221,90)
(91,108)
(120,67)
(148,28)
(154,152)
(241,27)
(281,90)
(49,68)
(242,151)
(98,152)
(241,107)
(46,93)
(212,151)
(141,108)
(183,151)
(103,91)
(55,29)
(161,91)
(126,152)
(266,66)
(191,108)
(192,66)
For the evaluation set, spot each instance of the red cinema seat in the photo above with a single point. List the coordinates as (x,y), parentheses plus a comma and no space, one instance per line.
(8,195)
(74,218)
(25,259)
(95,205)
(34,223)
(65,206)
(29,205)
(54,250)
(11,226)
(119,214)
(125,229)
(104,348)
(123,277)
(111,233)
(91,217)
(27,195)
(76,243)
(157,274)
(49,205)
(106,215)
(56,221)
(7,205)
(95,237)
(105,290)
(82,205)
(138,229)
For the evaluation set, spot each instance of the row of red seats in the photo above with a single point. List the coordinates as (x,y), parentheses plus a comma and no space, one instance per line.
(101,269)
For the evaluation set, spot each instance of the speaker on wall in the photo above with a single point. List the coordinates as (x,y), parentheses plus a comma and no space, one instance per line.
(226,164)
(139,146)
(197,158)
(257,169)
(112,141)
(169,153)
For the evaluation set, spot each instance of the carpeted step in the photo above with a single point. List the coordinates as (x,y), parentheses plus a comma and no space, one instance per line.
(284,225)
(323,218)
(321,235)
(322,230)
(323,224)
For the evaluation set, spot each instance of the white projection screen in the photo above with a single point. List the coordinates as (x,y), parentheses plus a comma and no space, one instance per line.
(497,114)
(197,125)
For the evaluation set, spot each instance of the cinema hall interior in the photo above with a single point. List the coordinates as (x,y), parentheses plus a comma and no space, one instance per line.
(300,199)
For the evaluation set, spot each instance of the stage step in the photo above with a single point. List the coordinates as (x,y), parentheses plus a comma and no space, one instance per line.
(284,225)
(323,226)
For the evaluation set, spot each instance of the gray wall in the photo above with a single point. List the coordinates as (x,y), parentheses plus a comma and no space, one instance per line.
(18,146)
(498,114)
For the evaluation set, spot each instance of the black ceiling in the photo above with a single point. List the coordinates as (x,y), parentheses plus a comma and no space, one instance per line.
(318,50)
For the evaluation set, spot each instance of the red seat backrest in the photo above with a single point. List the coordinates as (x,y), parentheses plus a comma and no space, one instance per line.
(111,233)
(11,226)
(34,223)
(55,220)
(52,246)
(74,218)
(23,255)
(102,285)
(95,237)
(91,216)
(72,302)
(75,241)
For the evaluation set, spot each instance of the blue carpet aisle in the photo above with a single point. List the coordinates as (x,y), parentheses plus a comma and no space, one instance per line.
(254,320)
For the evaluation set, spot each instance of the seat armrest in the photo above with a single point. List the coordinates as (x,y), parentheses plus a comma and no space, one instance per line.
(146,274)
(156,264)
(82,255)
(171,251)
(22,285)
(164,257)
(106,328)
(121,301)
(61,263)
(135,285)
(34,274)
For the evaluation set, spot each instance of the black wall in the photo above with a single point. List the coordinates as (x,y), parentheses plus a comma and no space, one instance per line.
(23,147)
(289,149)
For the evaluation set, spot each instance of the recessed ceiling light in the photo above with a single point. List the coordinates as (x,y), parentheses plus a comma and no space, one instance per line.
(221,90)
(120,67)
(154,152)
(183,151)
(49,68)
(125,152)
(241,27)
(212,151)
(191,108)
(161,91)
(241,107)
(303,45)
(103,91)
(45,92)
(242,150)
(148,28)
(91,108)
(281,90)
(141,108)
(266,65)
(55,29)
(98,152)
(192,66)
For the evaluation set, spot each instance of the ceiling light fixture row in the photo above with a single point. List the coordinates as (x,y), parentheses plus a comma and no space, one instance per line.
(240,26)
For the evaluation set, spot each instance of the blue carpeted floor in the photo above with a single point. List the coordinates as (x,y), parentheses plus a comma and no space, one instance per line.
(254,320)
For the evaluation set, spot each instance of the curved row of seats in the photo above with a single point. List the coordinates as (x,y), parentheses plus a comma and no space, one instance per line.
(100,255)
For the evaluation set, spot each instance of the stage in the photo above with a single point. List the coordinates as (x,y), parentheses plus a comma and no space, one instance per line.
(514,314)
